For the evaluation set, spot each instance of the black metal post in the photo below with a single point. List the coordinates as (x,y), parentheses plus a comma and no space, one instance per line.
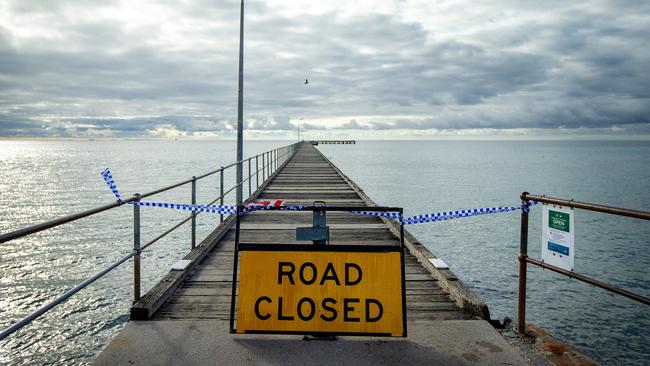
(193,213)
(221,193)
(257,171)
(136,249)
(523,255)
(250,192)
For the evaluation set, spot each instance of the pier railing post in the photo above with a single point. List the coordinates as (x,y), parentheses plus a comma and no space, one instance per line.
(257,171)
(249,178)
(263,168)
(221,192)
(523,255)
(136,249)
(193,212)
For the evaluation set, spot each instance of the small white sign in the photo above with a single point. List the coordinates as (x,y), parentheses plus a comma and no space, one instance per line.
(438,263)
(181,265)
(558,230)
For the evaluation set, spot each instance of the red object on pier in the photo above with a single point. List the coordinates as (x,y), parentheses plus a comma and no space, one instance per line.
(272,203)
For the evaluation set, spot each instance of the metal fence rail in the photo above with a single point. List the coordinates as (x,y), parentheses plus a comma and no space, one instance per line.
(524,259)
(271,161)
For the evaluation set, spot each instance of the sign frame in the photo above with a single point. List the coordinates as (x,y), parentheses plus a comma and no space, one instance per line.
(284,247)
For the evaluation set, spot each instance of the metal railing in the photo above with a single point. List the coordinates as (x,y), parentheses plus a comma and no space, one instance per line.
(524,259)
(271,161)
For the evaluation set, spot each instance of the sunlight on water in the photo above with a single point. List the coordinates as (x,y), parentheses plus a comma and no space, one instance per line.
(43,180)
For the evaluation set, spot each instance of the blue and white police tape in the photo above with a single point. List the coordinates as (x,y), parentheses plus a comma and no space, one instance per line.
(218,209)
(390,215)
(226,209)
(449,215)
(108,178)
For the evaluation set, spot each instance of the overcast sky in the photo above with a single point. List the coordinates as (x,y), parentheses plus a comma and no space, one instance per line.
(376,69)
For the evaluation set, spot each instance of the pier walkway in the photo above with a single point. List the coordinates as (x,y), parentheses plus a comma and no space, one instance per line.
(184,319)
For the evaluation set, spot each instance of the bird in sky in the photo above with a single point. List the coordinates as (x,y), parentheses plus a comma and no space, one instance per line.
(306,81)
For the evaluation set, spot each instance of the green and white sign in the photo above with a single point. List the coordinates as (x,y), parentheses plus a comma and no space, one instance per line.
(558,247)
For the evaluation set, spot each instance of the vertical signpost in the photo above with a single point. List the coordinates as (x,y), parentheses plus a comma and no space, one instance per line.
(558,248)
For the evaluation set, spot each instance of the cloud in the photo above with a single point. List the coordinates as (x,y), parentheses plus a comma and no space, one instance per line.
(167,131)
(352,125)
(82,68)
(280,123)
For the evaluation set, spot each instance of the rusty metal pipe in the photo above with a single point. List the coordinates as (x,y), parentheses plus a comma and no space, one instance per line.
(591,281)
(588,206)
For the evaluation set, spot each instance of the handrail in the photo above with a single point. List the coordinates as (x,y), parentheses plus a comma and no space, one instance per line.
(56,222)
(524,259)
(135,253)
(28,319)
(587,206)
(64,220)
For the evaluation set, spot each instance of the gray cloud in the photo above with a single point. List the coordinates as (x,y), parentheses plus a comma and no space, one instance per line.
(352,125)
(83,68)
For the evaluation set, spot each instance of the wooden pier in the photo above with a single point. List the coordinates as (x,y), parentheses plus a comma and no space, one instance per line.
(184,318)
(333,142)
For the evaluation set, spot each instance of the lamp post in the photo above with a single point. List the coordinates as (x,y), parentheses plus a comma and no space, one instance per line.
(240,106)
(299,122)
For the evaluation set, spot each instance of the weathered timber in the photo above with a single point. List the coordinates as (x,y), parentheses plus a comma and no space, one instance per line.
(203,291)
(447,280)
(336,142)
(156,296)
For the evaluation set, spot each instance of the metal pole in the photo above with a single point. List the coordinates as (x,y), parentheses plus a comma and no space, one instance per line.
(136,249)
(523,255)
(221,192)
(257,171)
(240,107)
(591,281)
(234,272)
(644,215)
(263,168)
(250,193)
(193,212)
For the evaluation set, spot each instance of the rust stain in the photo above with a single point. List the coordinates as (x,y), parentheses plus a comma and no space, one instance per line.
(557,352)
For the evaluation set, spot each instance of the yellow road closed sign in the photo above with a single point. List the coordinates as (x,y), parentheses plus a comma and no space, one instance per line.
(326,289)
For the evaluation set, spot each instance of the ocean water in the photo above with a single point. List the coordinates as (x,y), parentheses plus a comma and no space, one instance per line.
(432,176)
(42,180)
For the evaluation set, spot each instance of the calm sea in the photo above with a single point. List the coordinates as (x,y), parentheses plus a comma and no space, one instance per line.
(44,180)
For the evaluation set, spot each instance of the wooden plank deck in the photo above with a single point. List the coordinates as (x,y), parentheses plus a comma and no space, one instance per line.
(185,317)
(308,177)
